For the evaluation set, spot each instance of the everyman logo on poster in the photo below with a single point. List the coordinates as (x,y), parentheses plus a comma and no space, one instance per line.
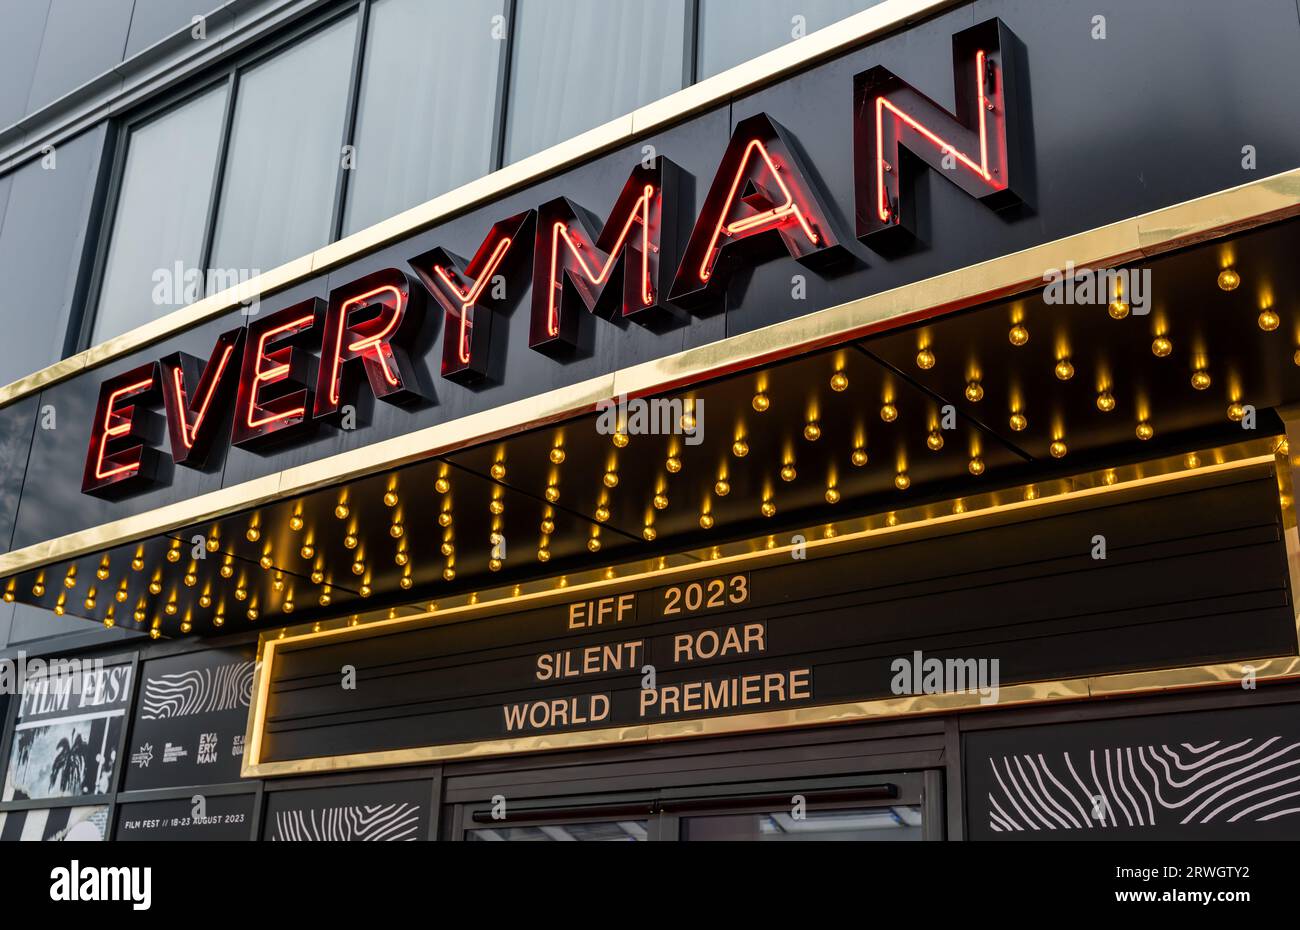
(103,883)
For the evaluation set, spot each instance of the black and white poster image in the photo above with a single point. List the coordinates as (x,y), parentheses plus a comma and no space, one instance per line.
(201,818)
(1226,775)
(77,824)
(66,738)
(189,721)
(385,813)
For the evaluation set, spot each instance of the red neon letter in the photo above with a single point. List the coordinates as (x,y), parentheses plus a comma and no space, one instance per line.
(759,196)
(118,462)
(366,321)
(971,147)
(263,409)
(192,418)
(569,261)
(467,293)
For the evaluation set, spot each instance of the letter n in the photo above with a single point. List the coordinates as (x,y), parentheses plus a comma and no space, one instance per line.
(118,461)
(464,291)
(975,147)
(620,271)
(197,396)
(761,203)
(368,321)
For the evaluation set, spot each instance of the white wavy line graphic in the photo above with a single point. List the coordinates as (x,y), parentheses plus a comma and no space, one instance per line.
(202,691)
(350,823)
(1245,776)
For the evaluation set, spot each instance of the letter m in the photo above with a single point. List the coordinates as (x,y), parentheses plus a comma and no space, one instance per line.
(897,129)
(621,268)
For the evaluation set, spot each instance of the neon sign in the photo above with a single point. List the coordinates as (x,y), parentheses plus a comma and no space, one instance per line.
(974,147)
(571,264)
(760,197)
(301,366)
(119,461)
(366,323)
(274,393)
(190,394)
(469,293)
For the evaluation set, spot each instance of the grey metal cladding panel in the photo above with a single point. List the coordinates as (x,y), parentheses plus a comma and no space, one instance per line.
(83,39)
(155,20)
(20,43)
(16,425)
(45,226)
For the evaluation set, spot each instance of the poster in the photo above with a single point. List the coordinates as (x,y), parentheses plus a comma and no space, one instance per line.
(193,819)
(68,730)
(389,812)
(190,718)
(78,824)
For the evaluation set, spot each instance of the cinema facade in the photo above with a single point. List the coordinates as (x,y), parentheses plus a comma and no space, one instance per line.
(885,438)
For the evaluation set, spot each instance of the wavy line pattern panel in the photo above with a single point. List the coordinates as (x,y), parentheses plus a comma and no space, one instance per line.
(383,813)
(1229,774)
(190,719)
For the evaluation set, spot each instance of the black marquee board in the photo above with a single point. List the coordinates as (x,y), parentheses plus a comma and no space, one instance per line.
(820,630)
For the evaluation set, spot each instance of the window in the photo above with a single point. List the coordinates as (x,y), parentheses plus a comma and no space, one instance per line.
(733,31)
(46,213)
(161,216)
(427,110)
(285,153)
(579,63)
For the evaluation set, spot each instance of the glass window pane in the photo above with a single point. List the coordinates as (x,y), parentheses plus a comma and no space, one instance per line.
(580,63)
(732,31)
(285,148)
(46,216)
(427,104)
(622,831)
(876,824)
(161,212)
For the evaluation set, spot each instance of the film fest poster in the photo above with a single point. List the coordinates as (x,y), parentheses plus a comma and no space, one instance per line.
(188,727)
(67,732)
